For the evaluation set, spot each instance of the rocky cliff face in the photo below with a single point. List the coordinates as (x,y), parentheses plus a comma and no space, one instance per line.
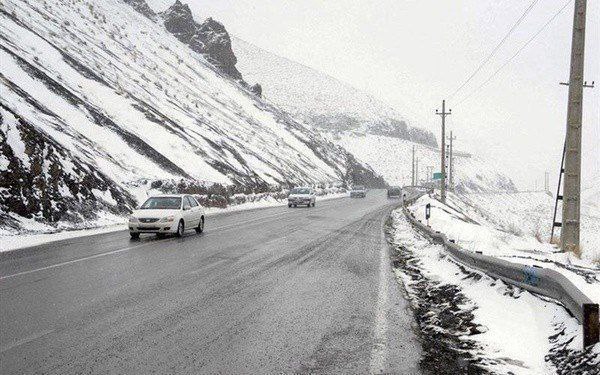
(209,38)
(40,179)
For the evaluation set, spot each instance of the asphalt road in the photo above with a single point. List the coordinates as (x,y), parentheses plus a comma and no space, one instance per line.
(274,290)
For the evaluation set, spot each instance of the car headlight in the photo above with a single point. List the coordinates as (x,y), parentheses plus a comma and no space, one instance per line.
(167,219)
(133,219)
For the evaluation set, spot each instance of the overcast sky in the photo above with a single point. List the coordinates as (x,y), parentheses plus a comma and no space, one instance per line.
(412,54)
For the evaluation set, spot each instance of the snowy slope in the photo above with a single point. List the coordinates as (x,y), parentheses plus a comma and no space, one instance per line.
(122,100)
(590,197)
(319,99)
(529,215)
(509,226)
(392,158)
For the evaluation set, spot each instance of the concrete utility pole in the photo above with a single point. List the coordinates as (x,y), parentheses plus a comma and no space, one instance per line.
(569,236)
(443,114)
(451,168)
(412,183)
(416,171)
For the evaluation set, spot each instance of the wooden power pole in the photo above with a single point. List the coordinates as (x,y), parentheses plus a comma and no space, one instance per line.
(443,114)
(569,238)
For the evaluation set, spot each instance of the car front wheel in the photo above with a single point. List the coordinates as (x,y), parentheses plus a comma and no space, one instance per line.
(180,229)
(133,235)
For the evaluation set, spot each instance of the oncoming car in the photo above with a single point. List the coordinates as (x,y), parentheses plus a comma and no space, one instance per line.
(302,196)
(358,191)
(167,214)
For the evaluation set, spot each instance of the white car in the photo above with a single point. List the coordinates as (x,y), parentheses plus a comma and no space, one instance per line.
(167,214)
(302,196)
(358,191)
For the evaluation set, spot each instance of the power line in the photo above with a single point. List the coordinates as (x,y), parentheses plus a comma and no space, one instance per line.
(517,53)
(489,57)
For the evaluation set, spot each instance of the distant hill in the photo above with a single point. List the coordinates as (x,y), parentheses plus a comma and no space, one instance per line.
(321,100)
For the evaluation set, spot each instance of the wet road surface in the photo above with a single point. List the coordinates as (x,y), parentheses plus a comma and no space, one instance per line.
(273,290)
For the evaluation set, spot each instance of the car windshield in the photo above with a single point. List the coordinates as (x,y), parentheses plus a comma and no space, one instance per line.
(359,187)
(300,191)
(162,203)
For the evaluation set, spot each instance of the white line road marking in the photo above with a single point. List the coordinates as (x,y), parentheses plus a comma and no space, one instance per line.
(73,261)
(25,340)
(379,351)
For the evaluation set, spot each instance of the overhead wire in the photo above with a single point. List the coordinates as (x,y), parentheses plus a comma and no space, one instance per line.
(516,53)
(496,48)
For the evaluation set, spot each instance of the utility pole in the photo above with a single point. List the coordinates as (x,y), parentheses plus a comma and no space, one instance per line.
(416,171)
(451,168)
(569,238)
(412,183)
(443,114)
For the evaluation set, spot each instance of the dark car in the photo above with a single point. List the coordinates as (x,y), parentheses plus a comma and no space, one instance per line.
(394,192)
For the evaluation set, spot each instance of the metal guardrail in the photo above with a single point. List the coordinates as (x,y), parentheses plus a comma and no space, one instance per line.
(539,280)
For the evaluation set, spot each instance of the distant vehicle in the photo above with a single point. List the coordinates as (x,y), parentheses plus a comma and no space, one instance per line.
(302,196)
(167,214)
(394,192)
(358,191)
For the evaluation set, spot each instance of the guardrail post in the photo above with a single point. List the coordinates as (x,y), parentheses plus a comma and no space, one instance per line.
(591,324)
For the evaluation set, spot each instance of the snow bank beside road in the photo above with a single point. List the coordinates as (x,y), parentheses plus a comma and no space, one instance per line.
(504,231)
(42,233)
(471,321)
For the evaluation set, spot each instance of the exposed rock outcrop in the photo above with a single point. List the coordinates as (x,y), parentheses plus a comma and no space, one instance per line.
(142,7)
(256,89)
(209,38)
(40,179)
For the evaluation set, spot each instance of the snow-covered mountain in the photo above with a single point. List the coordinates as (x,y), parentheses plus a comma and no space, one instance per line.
(100,97)
(392,158)
(375,133)
(321,100)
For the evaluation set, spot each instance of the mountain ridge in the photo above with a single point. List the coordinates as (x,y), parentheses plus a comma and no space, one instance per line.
(114,93)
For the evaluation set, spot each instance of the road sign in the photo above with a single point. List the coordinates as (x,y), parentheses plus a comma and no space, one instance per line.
(437,175)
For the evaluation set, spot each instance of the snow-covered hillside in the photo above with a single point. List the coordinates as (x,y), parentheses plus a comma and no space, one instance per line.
(529,215)
(392,158)
(97,99)
(321,100)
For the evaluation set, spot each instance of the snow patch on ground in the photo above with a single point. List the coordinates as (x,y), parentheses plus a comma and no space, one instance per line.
(511,331)
(506,226)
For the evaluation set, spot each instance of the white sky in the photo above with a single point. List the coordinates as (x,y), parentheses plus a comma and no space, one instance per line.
(412,54)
